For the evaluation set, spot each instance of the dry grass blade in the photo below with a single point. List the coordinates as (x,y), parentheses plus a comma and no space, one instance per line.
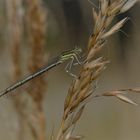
(80,89)
(133,90)
(36,28)
(94,14)
(126,99)
(104,6)
(15,34)
(128,5)
(120,95)
(75,138)
(78,115)
(115,7)
(137,90)
(115,28)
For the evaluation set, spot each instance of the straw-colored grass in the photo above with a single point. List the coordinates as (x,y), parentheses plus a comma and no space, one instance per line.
(15,27)
(82,88)
(35,21)
(36,29)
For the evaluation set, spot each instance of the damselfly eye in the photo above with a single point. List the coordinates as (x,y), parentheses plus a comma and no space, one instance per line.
(78,50)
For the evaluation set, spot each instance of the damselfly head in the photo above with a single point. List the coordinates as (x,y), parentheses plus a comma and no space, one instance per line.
(77,49)
(70,54)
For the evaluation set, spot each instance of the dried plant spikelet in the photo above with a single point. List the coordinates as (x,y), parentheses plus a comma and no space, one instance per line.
(74,97)
(66,113)
(84,93)
(102,22)
(70,101)
(14,25)
(84,74)
(119,94)
(67,101)
(70,137)
(94,51)
(66,128)
(76,84)
(93,66)
(98,24)
(94,42)
(78,114)
(70,98)
(101,33)
(94,63)
(81,91)
(95,16)
(128,5)
(69,95)
(116,2)
(87,97)
(135,90)
(109,20)
(125,99)
(70,110)
(36,24)
(104,6)
(36,28)
(115,8)
(113,93)
(95,48)
(68,125)
(115,28)
(85,81)
(77,103)
(98,72)
(74,106)
(75,138)
(83,100)
(90,41)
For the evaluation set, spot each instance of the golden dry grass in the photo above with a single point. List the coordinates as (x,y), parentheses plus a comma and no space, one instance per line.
(82,88)
(35,21)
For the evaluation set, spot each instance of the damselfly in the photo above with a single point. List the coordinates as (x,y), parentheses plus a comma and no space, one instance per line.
(64,56)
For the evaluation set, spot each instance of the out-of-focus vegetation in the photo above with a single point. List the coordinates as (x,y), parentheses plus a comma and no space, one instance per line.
(31,34)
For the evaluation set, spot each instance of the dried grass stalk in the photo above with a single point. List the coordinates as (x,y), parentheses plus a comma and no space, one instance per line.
(81,88)
(121,94)
(14,18)
(36,27)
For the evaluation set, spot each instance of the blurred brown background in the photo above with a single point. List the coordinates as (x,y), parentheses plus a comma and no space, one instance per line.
(69,24)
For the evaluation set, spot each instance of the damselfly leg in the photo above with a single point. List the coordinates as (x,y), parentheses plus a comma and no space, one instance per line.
(71,63)
(68,68)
